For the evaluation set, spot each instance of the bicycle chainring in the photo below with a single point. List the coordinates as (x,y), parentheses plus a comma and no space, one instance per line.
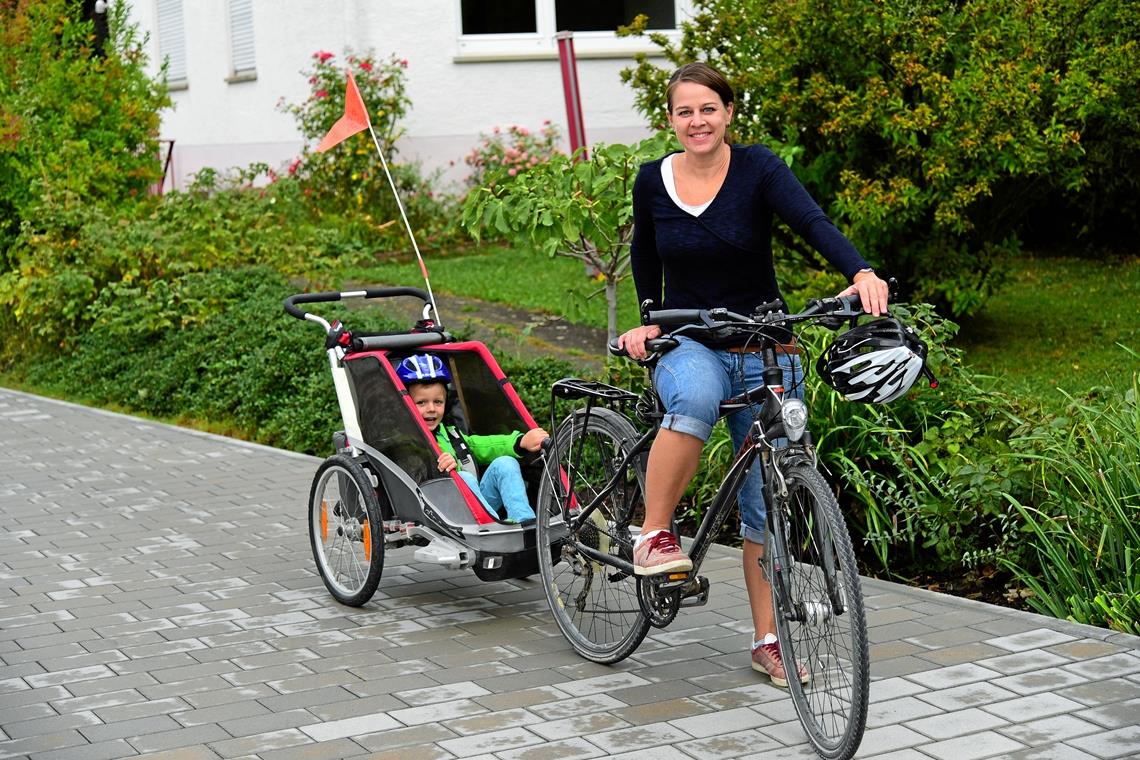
(659,606)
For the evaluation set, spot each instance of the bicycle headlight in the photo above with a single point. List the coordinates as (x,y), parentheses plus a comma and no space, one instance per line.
(795,416)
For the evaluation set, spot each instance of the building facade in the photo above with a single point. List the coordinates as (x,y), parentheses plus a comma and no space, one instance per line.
(472,65)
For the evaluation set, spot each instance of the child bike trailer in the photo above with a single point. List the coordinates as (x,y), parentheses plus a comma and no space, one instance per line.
(382,489)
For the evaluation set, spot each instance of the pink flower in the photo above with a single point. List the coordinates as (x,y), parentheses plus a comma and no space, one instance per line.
(294,165)
(404,62)
(365,66)
(512,171)
(322,55)
(321,94)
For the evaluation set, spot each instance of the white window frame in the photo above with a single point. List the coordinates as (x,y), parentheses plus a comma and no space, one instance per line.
(541,45)
(170,41)
(239,71)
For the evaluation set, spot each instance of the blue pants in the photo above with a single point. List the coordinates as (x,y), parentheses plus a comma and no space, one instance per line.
(693,379)
(502,486)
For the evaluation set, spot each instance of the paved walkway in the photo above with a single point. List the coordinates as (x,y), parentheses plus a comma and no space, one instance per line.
(158,598)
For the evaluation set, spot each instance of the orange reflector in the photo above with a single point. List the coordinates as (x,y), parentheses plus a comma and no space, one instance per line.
(678,576)
(367,541)
(324,520)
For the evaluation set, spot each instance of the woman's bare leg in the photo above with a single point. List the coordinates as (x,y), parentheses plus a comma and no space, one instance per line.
(759,591)
(673,460)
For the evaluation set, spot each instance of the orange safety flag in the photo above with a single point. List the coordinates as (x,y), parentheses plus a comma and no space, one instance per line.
(355,118)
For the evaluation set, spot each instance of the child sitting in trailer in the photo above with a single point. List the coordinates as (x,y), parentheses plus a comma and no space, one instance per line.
(501,486)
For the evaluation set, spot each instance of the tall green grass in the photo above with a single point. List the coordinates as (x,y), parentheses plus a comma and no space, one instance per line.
(1085,525)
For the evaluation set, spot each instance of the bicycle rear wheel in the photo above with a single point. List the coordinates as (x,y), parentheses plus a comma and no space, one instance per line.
(346,530)
(594,604)
(820,622)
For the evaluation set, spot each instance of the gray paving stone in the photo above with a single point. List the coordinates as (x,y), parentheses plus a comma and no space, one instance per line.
(957,675)
(638,738)
(1102,692)
(1117,715)
(728,745)
(946,725)
(901,710)
(1123,742)
(1049,731)
(979,745)
(566,749)
(1031,639)
(495,741)
(578,725)
(181,737)
(1122,664)
(1021,662)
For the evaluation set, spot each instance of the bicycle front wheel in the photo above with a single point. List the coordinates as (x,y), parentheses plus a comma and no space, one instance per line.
(346,530)
(820,622)
(594,603)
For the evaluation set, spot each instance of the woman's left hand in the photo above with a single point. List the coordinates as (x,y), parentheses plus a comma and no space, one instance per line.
(872,292)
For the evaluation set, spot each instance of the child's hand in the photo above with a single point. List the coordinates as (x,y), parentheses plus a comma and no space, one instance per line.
(532,439)
(446,462)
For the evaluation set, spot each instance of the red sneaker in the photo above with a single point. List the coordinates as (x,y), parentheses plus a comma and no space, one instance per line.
(766,659)
(660,553)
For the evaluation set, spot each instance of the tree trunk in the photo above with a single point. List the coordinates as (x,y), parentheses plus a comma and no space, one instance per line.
(611,307)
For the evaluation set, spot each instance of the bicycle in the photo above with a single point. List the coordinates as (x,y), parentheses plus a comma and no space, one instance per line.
(591,499)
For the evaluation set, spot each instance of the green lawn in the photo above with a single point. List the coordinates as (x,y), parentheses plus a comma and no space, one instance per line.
(519,278)
(1056,325)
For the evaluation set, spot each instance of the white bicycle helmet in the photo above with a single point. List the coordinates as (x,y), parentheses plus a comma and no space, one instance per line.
(875,362)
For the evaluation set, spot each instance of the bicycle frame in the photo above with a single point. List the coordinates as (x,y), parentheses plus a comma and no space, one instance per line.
(760,444)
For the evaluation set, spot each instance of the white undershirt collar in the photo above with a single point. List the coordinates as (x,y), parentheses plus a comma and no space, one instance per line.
(671,188)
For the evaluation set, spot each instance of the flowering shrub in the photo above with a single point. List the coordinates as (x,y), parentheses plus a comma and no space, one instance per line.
(509,152)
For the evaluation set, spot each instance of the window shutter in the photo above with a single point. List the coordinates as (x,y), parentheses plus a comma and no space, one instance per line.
(241,36)
(172,39)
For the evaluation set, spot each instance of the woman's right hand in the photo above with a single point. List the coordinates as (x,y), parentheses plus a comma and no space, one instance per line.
(633,341)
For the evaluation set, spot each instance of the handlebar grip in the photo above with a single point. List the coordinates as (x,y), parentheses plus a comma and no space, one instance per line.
(669,317)
(653,346)
(297,298)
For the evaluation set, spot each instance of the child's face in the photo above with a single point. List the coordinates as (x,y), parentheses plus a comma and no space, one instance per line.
(429,399)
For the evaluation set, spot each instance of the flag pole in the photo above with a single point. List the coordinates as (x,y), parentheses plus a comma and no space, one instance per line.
(356,119)
(407,224)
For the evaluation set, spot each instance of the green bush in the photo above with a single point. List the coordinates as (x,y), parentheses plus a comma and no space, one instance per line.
(76,127)
(1083,522)
(78,267)
(932,131)
(243,366)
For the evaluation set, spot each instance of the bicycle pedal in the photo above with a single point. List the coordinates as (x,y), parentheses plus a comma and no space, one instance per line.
(696,594)
(668,582)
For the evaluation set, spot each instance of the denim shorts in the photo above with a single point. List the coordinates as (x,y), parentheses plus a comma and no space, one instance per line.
(693,379)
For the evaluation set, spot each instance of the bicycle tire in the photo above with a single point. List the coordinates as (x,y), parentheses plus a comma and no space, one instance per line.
(346,530)
(595,605)
(830,645)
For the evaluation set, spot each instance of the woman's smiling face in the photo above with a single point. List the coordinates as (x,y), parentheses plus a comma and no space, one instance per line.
(699,117)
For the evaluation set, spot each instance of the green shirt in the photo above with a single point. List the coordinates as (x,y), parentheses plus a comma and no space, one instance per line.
(484,448)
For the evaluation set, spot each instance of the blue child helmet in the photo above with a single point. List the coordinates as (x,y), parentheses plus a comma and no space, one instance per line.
(423,368)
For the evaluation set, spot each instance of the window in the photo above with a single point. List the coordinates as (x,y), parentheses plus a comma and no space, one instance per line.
(499,29)
(172,41)
(607,16)
(241,40)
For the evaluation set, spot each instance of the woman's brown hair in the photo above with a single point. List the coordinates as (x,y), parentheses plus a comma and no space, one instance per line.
(699,73)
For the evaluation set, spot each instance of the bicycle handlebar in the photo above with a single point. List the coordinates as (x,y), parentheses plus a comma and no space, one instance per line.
(329,296)
(768,314)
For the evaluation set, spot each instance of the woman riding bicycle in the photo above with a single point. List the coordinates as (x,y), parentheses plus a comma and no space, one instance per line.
(702,226)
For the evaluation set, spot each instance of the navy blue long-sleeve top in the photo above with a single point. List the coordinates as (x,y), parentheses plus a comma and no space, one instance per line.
(723,257)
